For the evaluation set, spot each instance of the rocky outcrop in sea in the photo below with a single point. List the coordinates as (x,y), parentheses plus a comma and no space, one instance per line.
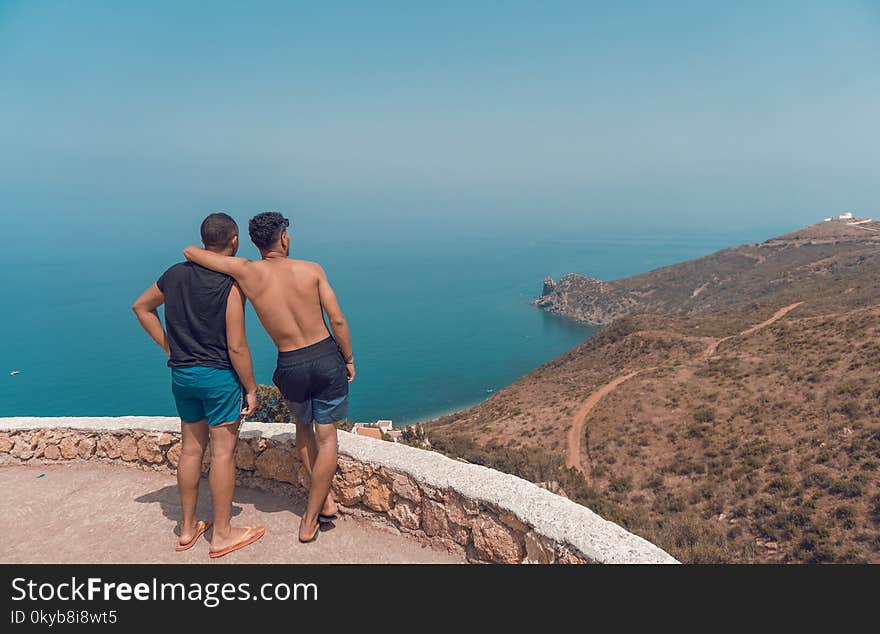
(585,299)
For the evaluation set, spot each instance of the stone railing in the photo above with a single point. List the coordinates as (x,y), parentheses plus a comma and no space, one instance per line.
(488,515)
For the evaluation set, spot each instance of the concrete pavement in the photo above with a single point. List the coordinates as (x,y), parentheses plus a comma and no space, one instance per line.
(101,513)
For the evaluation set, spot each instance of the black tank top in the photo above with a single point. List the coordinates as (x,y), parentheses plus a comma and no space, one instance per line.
(195,315)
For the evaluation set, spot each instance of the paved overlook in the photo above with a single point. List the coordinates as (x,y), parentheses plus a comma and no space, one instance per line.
(98,513)
(107,493)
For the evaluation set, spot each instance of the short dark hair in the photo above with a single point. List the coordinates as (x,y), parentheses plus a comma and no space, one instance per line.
(266,228)
(218,229)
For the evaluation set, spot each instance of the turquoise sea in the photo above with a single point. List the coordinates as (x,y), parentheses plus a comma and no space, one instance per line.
(438,323)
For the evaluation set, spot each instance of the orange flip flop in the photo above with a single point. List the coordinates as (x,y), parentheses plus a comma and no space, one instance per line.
(201,527)
(251,534)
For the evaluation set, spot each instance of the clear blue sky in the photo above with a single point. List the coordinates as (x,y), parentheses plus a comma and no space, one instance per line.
(438,115)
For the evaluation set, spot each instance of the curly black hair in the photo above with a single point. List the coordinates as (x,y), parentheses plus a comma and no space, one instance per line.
(266,228)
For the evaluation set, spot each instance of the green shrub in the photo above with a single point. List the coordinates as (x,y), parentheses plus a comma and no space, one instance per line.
(696,431)
(847,515)
(655,482)
(271,407)
(765,507)
(704,414)
(874,511)
(413,435)
(818,479)
(619,484)
(780,485)
(815,547)
(846,489)
(850,409)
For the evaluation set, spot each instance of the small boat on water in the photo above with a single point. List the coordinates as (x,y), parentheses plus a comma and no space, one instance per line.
(15,373)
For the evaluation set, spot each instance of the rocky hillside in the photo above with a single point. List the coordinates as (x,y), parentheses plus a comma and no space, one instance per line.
(816,260)
(742,424)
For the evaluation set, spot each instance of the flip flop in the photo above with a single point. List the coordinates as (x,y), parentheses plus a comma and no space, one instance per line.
(251,534)
(326,518)
(201,527)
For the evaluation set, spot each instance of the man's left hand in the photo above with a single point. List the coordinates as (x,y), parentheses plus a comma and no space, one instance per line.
(250,404)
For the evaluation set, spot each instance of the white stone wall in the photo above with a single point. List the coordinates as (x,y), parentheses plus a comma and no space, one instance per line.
(492,516)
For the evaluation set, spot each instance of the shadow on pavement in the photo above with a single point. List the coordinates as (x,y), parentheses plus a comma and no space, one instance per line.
(169,501)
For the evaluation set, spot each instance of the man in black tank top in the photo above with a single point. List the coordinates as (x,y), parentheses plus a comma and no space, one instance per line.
(212,379)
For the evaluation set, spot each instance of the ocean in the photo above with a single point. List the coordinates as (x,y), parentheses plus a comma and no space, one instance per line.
(438,323)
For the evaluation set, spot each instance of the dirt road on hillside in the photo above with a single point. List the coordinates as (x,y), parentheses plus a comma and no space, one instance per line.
(573,459)
(779,314)
(579,419)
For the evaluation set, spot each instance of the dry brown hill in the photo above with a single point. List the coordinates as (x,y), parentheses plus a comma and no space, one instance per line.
(751,433)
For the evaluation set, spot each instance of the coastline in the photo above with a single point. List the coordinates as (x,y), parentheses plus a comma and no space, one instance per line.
(457,409)
(448,412)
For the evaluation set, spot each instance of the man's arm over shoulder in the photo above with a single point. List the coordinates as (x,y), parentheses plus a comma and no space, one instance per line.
(338,324)
(239,351)
(230,265)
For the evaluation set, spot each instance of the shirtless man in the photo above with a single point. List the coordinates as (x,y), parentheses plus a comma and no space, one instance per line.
(314,367)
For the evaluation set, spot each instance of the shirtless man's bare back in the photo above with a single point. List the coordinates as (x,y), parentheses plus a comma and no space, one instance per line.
(314,368)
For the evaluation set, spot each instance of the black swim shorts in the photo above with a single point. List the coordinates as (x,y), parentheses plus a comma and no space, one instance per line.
(314,382)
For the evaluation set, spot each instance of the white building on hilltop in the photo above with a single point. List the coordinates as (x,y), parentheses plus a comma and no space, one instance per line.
(846,215)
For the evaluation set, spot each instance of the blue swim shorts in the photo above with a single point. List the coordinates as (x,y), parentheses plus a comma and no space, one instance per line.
(203,393)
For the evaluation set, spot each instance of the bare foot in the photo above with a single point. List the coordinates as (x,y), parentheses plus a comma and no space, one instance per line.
(219,542)
(329,507)
(308,533)
(188,532)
